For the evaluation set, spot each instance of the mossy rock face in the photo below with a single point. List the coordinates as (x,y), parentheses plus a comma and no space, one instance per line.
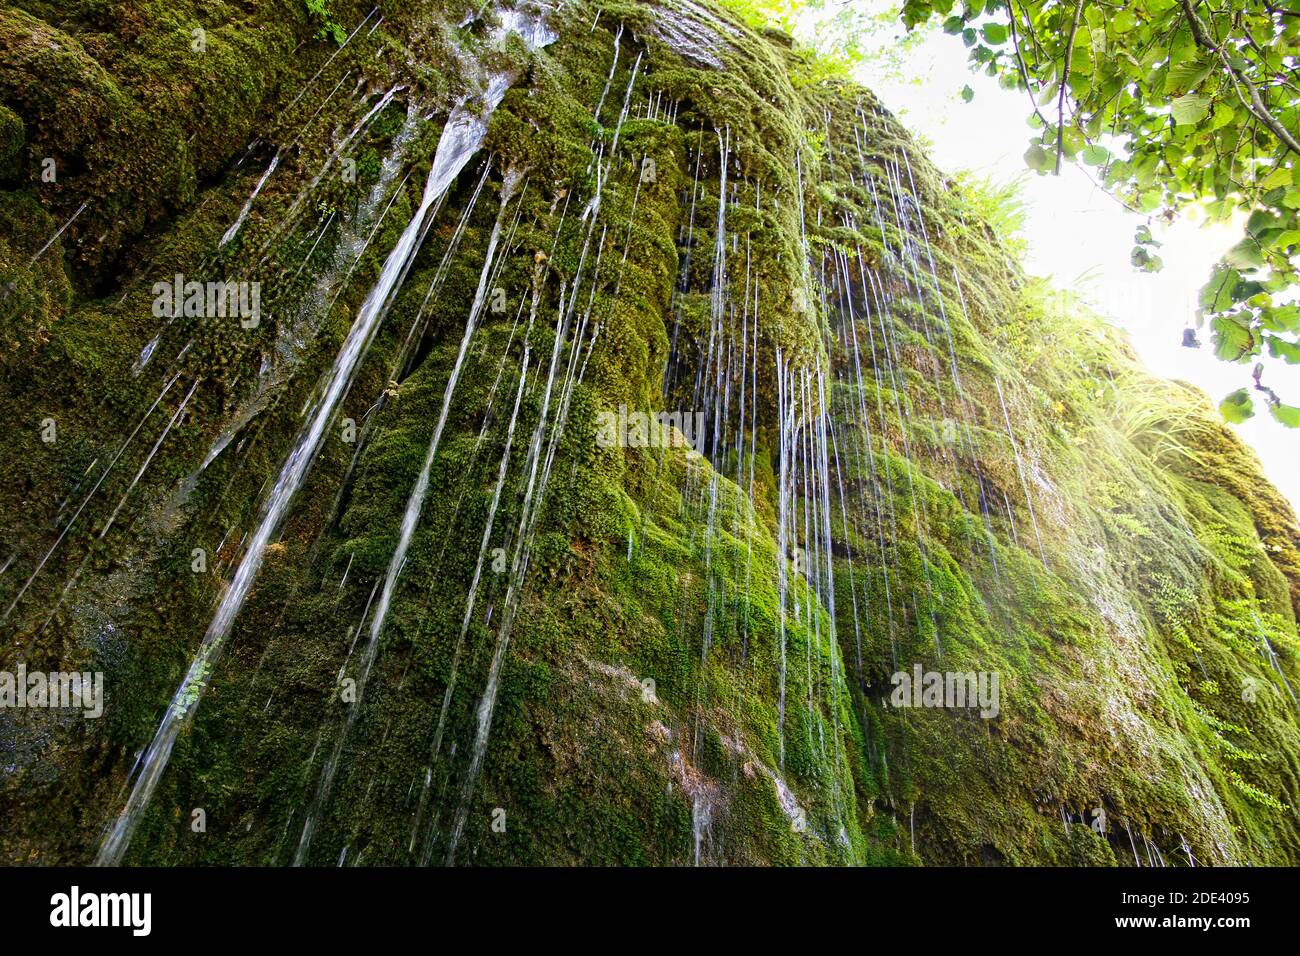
(787,318)
(12,137)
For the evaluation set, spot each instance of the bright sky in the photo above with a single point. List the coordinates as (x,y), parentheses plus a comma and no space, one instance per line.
(1075,230)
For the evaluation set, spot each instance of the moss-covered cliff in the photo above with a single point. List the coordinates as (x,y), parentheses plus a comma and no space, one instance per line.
(910,455)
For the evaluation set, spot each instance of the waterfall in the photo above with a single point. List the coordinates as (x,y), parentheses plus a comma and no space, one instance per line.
(462,136)
(411,517)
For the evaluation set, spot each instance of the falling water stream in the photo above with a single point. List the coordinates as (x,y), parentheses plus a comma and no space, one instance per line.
(248,206)
(461,138)
(411,517)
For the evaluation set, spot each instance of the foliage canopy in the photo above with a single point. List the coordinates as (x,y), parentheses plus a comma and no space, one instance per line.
(1171,103)
(1174,102)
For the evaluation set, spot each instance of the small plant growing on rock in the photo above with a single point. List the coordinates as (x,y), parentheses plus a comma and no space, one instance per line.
(319,10)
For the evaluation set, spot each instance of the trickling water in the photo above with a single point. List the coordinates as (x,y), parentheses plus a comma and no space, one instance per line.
(411,517)
(478,573)
(243,213)
(72,582)
(694,32)
(460,140)
(295,329)
(145,355)
(785,419)
(302,198)
(1271,656)
(538,480)
(85,501)
(1020,469)
(180,410)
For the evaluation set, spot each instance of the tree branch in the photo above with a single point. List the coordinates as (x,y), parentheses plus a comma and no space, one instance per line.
(1254,104)
(1065,77)
(1020,62)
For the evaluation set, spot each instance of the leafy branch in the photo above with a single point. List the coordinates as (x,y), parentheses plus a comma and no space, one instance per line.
(1173,103)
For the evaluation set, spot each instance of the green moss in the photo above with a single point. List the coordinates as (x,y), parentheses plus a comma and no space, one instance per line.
(1120,562)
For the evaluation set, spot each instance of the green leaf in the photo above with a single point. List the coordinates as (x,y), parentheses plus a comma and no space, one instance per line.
(1282,318)
(1237,407)
(1288,352)
(994,33)
(1288,415)
(967,94)
(1260,220)
(1190,108)
(1072,142)
(1124,21)
(1187,75)
(1223,115)
(1038,159)
(1278,176)
(1245,255)
(1095,155)
(1233,341)
(1217,295)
